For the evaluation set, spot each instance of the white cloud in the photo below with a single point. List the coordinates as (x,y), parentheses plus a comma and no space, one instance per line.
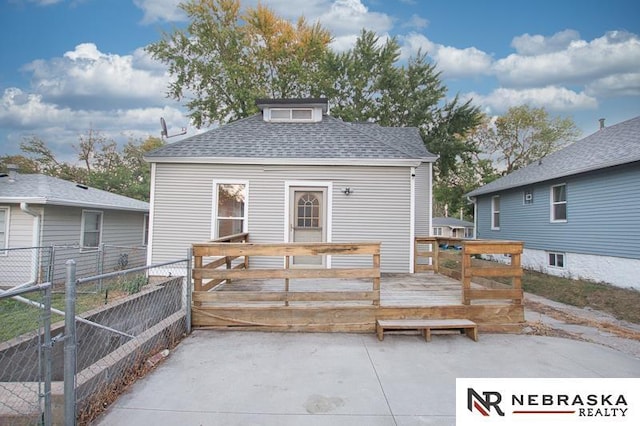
(416,22)
(550,97)
(627,84)
(160,10)
(88,78)
(531,45)
(451,61)
(580,62)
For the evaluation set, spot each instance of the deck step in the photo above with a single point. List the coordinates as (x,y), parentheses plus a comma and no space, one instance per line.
(470,328)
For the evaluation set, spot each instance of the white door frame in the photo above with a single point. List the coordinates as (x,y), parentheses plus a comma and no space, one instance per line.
(328,203)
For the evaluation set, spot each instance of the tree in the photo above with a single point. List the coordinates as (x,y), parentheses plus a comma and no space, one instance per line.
(227,60)
(367,84)
(525,135)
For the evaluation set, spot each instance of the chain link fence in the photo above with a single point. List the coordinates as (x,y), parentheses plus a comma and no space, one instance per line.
(117,325)
(25,266)
(35,265)
(25,356)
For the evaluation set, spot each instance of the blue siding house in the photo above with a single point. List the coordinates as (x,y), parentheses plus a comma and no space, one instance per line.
(577,210)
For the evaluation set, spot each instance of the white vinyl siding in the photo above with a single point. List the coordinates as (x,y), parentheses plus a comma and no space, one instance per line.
(378,210)
(559,203)
(495,213)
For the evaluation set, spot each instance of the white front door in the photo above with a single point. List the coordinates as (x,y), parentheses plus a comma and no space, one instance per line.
(308,221)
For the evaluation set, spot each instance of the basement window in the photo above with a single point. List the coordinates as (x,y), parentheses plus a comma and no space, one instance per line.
(556,260)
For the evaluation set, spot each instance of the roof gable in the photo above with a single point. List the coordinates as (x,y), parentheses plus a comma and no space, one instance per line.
(331,138)
(41,189)
(612,146)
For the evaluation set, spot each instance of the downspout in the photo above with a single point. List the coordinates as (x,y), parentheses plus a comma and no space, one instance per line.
(472,200)
(412,226)
(35,242)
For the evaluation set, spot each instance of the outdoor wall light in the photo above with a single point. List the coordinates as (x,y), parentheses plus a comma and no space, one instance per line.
(347,191)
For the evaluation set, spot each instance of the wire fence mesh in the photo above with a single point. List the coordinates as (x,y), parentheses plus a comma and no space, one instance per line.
(120,331)
(24,356)
(25,266)
(130,323)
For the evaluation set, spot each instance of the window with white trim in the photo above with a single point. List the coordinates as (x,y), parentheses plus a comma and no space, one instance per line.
(231,211)
(291,114)
(495,212)
(556,260)
(91,229)
(437,231)
(559,203)
(4,229)
(468,232)
(145,230)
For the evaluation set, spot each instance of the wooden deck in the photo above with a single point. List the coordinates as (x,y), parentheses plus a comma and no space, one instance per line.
(230,294)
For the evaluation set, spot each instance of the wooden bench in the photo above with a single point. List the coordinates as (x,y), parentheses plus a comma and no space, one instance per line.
(470,328)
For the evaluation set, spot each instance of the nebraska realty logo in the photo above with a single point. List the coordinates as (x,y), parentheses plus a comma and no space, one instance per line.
(554,401)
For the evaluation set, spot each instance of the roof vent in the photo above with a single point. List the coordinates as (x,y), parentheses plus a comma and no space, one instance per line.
(13,172)
(81,186)
(601,120)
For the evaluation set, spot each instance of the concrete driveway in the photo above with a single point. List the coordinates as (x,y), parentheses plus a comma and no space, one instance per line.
(253,378)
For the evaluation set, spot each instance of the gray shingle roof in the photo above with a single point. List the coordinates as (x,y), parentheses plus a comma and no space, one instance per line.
(451,222)
(331,138)
(608,147)
(41,189)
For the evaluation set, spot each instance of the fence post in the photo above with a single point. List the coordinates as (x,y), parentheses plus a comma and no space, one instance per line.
(188,290)
(70,346)
(46,353)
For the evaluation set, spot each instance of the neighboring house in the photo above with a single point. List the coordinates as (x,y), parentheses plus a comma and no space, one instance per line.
(450,227)
(577,210)
(43,211)
(293,173)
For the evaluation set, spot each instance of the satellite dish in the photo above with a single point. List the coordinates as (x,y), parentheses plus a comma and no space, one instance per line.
(165,134)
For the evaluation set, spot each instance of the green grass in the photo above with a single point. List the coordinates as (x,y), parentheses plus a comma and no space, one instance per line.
(622,303)
(17,318)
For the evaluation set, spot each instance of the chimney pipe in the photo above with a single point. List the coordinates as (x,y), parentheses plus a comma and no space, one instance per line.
(601,120)
(13,172)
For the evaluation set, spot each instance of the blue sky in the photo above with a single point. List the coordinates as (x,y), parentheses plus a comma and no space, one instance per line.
(71,65)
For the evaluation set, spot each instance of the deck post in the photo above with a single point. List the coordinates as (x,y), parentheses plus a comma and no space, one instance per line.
(197,264)
(516,280)
(376,280)
(466,276)
(436,250)
(286,281)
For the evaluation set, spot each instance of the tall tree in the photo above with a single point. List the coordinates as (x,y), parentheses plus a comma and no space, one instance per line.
(367,83)
(525,134)
(226,59)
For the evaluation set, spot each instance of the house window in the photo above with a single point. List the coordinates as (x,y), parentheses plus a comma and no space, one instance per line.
(527,196)
(91,229)
(145,230)
(291,114)
(437,231)
(308,211)
(495,212)
(556,260)
(4,229)
(468,232)
(559,203)
(231,211)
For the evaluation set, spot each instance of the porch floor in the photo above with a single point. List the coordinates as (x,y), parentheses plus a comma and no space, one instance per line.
(415,290)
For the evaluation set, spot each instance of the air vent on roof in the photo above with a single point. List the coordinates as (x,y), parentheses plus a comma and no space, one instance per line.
(81,186)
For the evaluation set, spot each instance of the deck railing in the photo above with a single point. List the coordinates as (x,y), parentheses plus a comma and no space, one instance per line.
(459,259)
(208,275)
(227,261)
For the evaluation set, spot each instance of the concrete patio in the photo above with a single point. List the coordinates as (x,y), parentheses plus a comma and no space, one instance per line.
(240,378)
